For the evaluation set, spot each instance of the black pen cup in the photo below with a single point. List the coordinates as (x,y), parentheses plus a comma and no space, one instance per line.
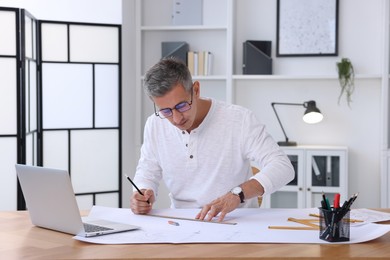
(334,225)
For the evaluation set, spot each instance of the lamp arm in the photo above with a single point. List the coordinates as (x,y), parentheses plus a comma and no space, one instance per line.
(277,116)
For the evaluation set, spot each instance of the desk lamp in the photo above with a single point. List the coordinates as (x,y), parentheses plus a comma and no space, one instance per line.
(312,115)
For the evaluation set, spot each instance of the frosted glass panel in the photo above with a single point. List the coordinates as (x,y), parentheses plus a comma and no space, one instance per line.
(106,96)
(34,39)
(94,157)
(8,33)
(28,40)
(29,149)
(55,149)
(35,158)
(32,96)
(67,95)
(8,96)
(54,42)
(107,200)
(84,202)
(8,159)
(94,43)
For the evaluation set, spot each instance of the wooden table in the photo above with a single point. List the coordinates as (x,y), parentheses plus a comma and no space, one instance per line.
(19,239)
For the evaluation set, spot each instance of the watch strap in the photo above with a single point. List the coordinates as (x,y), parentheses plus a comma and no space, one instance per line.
(242,197)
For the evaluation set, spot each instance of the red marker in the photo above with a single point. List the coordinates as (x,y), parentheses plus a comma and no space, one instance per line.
(336,201)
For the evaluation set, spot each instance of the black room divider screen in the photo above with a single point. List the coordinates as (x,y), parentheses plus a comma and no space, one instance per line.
(60,105)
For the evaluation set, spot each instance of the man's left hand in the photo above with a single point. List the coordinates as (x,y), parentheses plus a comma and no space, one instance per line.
(222,206)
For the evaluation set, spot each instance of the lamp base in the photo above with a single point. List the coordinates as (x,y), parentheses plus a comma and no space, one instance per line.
(287,143)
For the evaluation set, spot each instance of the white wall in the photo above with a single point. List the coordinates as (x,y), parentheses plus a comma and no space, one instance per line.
(91,11)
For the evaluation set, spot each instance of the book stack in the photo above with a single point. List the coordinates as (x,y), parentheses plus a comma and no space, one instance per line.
(199,62)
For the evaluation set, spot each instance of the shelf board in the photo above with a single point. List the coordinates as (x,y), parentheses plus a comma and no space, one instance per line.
(282,77)
(300,77)
(211,77)
(182,28)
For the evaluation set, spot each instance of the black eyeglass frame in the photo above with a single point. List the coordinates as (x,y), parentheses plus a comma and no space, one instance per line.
(157,113)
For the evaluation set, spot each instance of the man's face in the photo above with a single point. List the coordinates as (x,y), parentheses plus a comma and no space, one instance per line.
(173,100)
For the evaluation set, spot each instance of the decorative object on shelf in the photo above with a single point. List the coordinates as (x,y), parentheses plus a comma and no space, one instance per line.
(307,28)
(346,78)
(312,115)
(175,49)
(257,57)
(187,12)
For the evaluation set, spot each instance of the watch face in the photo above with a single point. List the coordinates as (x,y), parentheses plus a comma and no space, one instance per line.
(237,190)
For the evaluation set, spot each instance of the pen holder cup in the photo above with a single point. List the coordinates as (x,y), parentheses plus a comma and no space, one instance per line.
(334,225)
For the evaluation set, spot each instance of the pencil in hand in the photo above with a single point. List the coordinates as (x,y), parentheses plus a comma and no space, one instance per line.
(135,186)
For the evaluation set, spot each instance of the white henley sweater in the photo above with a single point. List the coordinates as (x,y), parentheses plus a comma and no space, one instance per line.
(215,157)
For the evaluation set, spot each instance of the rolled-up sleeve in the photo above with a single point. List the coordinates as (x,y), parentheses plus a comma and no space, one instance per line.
(276,168)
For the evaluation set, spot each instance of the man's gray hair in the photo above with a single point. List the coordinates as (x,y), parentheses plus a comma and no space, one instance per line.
(166,74)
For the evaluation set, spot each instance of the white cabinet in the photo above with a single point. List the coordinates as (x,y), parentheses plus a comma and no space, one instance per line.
(317,170)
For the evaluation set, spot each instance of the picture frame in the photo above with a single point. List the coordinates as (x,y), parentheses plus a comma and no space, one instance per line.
(307,28)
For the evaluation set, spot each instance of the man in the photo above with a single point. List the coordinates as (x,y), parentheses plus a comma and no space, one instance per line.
(202,149)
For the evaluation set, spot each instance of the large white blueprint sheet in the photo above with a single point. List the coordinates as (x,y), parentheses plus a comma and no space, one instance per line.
(252,227)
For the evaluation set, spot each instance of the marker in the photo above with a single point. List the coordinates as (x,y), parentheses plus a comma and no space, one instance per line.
(135,186)
(336,201)
(173,223)
(325,202)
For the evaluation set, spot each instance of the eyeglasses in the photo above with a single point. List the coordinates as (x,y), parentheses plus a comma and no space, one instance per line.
(168,112)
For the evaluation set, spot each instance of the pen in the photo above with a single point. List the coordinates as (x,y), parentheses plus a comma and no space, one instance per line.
(350,201)
(135,186)
(354,198)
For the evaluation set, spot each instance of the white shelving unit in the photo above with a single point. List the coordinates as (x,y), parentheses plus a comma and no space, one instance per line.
(318,169)
(229,23)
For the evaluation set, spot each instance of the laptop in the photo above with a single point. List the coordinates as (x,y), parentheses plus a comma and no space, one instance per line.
(52,204)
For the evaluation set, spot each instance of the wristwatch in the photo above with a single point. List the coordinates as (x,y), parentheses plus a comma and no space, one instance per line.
(238,192)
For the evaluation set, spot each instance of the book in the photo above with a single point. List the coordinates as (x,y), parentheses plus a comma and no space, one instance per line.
(208,63)
(201,57)
(196,62)
(187,12)
(190,62)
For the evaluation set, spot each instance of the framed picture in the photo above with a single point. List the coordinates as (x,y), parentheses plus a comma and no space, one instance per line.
(307,28)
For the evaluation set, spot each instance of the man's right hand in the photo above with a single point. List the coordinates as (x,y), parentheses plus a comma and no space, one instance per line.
(142,204)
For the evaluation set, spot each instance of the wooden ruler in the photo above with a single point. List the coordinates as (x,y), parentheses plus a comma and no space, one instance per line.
(191,219)
(308,224)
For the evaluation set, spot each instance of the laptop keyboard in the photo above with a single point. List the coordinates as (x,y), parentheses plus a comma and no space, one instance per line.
(94,228)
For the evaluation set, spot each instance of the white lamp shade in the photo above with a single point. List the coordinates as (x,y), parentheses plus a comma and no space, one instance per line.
(313,117)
